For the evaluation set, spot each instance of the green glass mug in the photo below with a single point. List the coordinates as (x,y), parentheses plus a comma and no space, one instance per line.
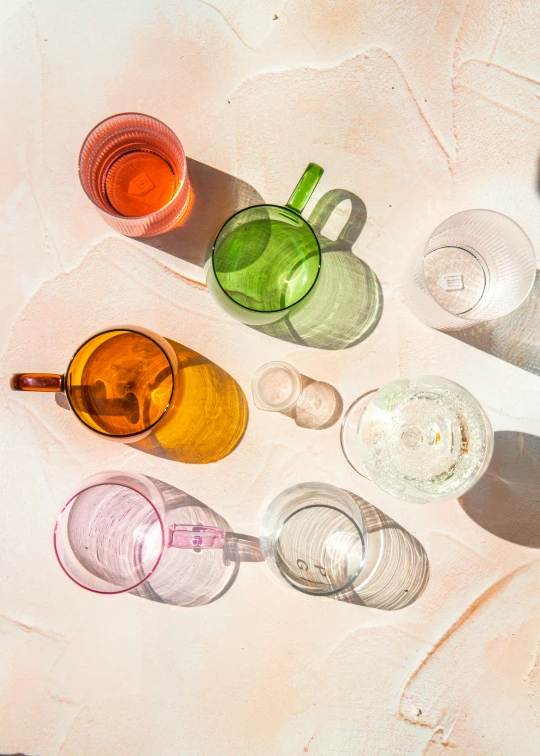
(266,259)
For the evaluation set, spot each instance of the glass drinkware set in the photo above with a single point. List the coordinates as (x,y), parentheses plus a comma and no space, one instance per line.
(418,439)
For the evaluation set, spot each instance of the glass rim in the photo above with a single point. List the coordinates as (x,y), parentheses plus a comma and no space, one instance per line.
(364,398)
(119,435)
(466,315)
(350,580)
(178,189)
(61,516)
(479,210)
(279,207)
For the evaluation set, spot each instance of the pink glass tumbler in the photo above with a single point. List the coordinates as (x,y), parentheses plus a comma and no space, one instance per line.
(133,168)
(113,532)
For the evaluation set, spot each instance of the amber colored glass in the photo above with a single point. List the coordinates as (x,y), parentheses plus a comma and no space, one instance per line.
(207,417)
(37,382)
(133,168)
(119,383)
(130,384)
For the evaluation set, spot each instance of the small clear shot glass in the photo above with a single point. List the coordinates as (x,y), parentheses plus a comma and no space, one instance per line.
(276,387)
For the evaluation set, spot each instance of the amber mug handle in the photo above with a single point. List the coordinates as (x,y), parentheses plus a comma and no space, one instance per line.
(37,382)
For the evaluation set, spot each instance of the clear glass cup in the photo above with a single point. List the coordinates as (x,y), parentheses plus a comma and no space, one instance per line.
(314,537)
(120,383)
(266,259)
(114,531)
(477,265)
(276,386)
(133,168)
(419,439)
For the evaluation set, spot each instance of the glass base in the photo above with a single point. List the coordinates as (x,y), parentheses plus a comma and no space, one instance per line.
(349,432)
(455,278)
(276,387)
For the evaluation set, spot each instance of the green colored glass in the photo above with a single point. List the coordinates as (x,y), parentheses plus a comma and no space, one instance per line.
(266,258)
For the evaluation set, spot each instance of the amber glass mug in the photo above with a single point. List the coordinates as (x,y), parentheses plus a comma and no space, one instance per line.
(120,383)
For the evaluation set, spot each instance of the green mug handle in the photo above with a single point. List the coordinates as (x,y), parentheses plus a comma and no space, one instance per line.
(305,187)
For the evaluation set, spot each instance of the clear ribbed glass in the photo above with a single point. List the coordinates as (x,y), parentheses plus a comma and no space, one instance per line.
(477,265)
(133,168)
(313,536)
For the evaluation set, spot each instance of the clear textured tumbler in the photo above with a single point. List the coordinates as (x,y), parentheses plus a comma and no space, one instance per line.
(419,439)
(113,532)
(313,536)
(133,168)
(477,265)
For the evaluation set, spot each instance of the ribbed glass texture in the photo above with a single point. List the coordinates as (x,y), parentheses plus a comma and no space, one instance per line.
(485,251)
(133,168)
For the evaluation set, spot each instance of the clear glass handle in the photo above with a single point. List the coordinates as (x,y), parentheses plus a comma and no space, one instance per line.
(196,537)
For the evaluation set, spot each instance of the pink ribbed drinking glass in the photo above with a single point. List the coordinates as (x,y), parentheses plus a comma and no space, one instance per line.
(133,168)
(113,532)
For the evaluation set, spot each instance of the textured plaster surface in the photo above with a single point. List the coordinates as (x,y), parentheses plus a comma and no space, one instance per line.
(421,109)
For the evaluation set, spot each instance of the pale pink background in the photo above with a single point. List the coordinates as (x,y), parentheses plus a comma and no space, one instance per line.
(420,108)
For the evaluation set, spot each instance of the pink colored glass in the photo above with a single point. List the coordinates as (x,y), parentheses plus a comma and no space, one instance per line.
(113,532)
(133,168)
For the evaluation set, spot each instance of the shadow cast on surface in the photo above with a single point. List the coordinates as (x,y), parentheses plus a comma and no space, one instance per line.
(514,338)
(506,500)
(396,570)
(195,577)
(217,196)
(346,304)
(208,417)
(319,406)
(347,301)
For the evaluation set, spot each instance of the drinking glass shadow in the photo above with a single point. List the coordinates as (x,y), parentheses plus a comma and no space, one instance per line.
(208,417)
(217,196)
(195,577)
(319,406)
(514,338)
(396,570)
(346,305)
(506,500)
